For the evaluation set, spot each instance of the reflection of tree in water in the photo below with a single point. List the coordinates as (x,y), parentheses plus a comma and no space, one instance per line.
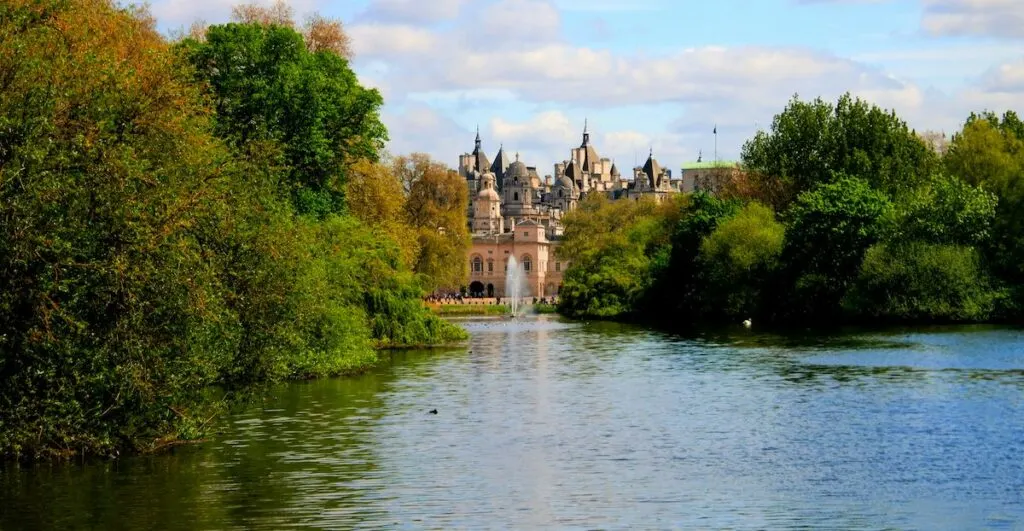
(155,492)
(307,454)
(301,457)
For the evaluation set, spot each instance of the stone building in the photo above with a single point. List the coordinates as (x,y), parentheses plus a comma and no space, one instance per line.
(513,211)
(707,176)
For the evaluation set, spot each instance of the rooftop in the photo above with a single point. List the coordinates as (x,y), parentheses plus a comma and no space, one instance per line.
(710,164)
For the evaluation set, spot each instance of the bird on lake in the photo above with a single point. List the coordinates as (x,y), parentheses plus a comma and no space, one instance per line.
(433,411)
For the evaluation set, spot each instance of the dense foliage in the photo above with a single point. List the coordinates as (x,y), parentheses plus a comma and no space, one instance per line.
(841,213)
(172,234)
(307,109)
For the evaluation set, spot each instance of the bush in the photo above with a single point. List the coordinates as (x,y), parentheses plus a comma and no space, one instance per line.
(740,257)
(921,281)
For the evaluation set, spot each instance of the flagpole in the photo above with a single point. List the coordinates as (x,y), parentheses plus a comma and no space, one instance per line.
(716,145)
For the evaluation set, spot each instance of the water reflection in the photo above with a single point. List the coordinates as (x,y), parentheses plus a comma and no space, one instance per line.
(545,423)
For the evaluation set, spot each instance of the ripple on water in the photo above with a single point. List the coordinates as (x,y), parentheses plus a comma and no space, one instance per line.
(543,423)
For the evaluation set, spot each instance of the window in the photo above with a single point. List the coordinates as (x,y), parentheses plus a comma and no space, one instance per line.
(560,193)
(490,266)
(526,235)
(558,266)
(478,264)
(515,196)
(527,264)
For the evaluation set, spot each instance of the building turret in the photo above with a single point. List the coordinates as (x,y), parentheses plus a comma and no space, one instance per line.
(487,208)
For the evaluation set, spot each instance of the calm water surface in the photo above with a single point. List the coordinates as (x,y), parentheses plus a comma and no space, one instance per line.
(543,424)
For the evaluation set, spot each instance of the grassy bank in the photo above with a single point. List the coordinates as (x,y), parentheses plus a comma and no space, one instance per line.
(470,309)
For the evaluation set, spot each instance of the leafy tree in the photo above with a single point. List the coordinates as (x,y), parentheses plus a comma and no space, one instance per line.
(375,196)
(829,230)
(319,33)
(986,153)
(436,209)
(740,257)
(144,260)
(811,143)
(616,249)
(679,287)
(946,210)
(273,96)
(989,153)
(112,323)
(918,281)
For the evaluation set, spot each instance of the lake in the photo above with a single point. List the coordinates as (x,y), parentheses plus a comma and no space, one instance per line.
(544,423)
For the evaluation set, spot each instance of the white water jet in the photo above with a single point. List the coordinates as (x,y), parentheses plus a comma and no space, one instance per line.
(515,284)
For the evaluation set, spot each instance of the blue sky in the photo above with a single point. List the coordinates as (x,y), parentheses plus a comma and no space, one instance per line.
(658,74)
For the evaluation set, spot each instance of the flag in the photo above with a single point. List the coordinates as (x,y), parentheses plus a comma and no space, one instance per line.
(715,132)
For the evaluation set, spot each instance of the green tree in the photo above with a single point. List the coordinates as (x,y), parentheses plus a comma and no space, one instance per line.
(829,230)
(919,281)
(273,95)
(112,321)
(811,143)
(738,259)
(989,153)
(376,196)
(616,249)
(946,210)
(679,286)
(435,207)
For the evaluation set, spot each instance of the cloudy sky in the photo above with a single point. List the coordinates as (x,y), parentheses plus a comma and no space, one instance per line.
(658,74)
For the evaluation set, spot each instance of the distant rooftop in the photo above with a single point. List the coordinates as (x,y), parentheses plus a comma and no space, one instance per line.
(709,165)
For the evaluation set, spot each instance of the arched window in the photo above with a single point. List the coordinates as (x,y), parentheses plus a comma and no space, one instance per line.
(527,263)
(478,264)
(490,266)
(515,196)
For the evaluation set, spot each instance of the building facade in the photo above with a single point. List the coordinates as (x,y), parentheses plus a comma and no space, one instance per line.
(514,212)
(708,177)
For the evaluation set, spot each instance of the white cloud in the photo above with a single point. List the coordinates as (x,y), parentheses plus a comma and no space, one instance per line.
(520,21)
(417,127)
(1006,78)
(177,13)
(537,139)
(511,60)
(990,18)
(413,11)
(392,40)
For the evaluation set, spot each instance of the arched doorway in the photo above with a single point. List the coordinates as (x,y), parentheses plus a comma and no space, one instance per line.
(490,290)
(476,289)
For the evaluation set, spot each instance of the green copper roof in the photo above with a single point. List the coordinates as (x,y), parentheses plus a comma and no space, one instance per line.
(709,165)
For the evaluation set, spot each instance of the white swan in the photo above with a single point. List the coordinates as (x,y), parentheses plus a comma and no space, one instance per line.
(747,323)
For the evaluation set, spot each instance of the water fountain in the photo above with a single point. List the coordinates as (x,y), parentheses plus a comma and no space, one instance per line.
(515,284)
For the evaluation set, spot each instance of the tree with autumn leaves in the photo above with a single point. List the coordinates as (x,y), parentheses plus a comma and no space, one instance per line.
(173,237)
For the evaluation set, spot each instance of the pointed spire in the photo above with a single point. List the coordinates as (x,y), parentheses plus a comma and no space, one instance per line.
(478,136)
(584,126)
(586,135)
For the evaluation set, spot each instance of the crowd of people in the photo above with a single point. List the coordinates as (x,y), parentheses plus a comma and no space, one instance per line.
(459,298)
